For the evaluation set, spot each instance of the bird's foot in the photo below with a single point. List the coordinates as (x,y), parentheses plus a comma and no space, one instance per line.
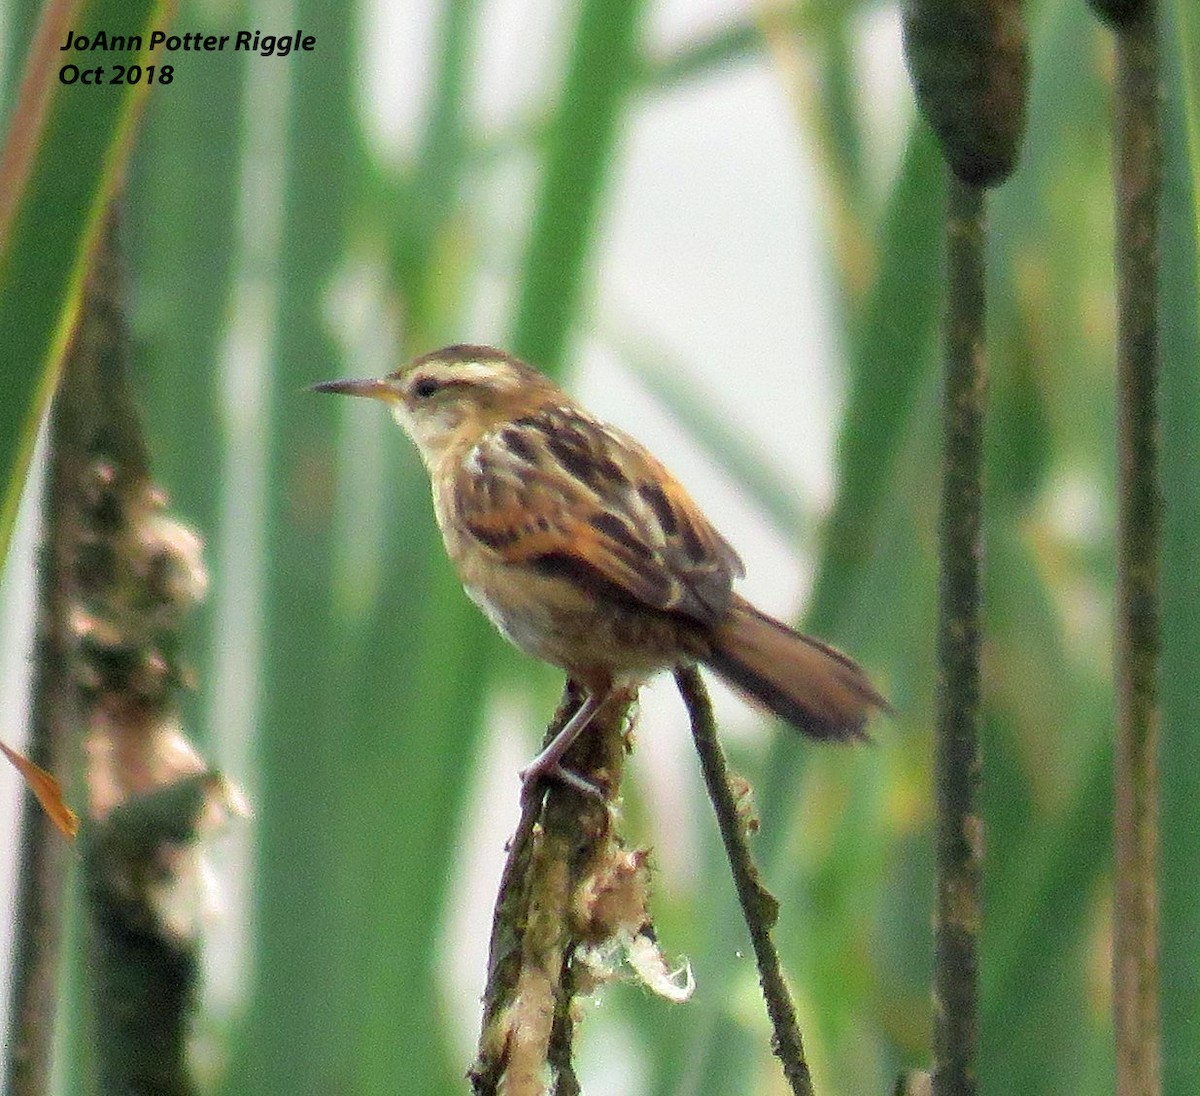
(533,775)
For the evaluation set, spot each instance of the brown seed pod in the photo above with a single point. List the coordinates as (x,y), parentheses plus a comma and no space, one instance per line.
(969,63)
(1120,13)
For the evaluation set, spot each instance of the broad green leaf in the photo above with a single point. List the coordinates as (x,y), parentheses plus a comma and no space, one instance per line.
(64,158)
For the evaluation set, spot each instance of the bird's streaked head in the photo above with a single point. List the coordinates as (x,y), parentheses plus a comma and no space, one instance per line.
(460,389)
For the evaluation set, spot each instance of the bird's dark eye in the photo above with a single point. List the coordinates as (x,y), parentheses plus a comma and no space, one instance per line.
(424,387)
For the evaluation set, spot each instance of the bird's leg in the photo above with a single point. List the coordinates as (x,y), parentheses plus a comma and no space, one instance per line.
(548,764)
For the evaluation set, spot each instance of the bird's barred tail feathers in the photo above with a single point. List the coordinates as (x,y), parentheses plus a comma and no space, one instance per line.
(809,684)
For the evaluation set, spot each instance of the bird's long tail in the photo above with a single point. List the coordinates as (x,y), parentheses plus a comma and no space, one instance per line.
(814,687)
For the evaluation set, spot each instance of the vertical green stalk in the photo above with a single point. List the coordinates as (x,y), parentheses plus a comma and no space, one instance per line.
(602,68)
(20,19)
(887,365)
(959,826)
(182,242)
(298,1033)
(409,667)
(1180,749)
(432,196)
(1138,169)
(43,855)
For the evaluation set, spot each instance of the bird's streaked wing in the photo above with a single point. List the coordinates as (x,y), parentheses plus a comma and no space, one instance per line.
(559,491)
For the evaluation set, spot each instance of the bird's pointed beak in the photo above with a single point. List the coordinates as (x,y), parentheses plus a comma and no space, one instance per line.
(371,387)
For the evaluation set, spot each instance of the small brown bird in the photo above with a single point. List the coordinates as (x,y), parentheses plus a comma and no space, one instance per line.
(588,554)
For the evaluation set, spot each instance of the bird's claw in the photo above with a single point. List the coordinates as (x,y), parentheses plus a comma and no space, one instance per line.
(532,776)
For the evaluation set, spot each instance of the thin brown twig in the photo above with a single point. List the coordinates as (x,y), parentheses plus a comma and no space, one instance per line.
(759,907)
(1138,171)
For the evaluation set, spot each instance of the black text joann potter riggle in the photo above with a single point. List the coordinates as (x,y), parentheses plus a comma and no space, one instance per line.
(266,45)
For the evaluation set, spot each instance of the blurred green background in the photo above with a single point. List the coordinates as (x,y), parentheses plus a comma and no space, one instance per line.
(719,225)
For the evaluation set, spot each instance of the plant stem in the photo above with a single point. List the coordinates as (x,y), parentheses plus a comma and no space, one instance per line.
(1179,696)
(759,907)
(600,73)
(1138,170)
(43,852)
(129,575)
(959,827)
(562,838)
